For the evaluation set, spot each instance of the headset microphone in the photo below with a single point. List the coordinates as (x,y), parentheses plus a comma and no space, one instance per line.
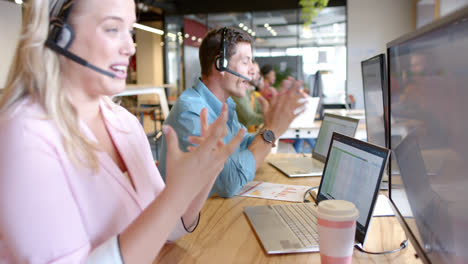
(254,83)
(222,63)
(238,75)
(78,59)
(61,35)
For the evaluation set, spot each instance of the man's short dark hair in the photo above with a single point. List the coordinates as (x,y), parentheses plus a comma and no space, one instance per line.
(210,47)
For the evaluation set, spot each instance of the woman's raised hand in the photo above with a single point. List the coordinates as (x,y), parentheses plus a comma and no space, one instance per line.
(190,171)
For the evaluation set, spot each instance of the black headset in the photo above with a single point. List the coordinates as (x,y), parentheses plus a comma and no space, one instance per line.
(222,63)
(61,34)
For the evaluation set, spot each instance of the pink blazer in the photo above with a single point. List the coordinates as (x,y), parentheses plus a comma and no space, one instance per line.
(52,211)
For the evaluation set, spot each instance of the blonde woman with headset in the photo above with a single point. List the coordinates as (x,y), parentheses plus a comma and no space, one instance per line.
(77,179)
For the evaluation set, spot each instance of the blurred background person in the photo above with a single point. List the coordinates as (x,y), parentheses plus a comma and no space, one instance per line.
(249,107)
(269,78)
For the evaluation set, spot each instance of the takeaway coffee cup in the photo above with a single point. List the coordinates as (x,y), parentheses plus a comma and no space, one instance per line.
(336,228)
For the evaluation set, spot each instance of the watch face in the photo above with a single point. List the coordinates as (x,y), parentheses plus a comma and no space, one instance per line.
(268,135)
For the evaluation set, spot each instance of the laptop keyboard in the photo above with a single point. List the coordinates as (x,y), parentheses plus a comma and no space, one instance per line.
(302,165)
(301,220)
(306,165)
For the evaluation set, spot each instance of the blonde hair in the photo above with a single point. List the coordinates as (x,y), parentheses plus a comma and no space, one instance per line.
(35,73)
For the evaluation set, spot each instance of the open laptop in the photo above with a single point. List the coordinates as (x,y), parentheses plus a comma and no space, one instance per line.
(353,171)
(306,166)
(306,119)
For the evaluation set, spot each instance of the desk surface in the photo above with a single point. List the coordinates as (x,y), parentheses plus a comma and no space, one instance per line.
(224,234)
(313,130)
(141,90)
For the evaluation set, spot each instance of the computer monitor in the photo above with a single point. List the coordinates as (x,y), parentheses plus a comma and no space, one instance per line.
(428,93)
(374,82)
(316,90)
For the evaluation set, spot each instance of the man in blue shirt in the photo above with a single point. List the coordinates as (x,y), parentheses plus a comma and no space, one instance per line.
(226,58)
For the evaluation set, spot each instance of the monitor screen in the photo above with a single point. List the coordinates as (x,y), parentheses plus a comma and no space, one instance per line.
(374,84)
(332,123)
(428,77)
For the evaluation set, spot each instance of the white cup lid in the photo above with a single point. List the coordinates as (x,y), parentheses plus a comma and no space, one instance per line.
(337,210)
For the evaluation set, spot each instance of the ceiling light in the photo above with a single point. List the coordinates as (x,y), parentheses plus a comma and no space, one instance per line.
(307,33)
(19,2)
(241,25)
(194,38)
(245,28)
(199,40)
(269,28)
(149,29)
(250,31)
(266,25)
(187,35)
(253,34)
(179,34)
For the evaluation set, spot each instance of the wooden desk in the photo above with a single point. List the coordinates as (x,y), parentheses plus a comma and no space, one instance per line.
(304,132)
(313,130)
(354,113)
(224,234)
(139,90)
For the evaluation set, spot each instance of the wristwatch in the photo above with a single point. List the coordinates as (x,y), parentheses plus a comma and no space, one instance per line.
(268,136)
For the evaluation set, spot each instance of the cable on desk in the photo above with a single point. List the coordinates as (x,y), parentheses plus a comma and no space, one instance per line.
(309,192)
(403,245)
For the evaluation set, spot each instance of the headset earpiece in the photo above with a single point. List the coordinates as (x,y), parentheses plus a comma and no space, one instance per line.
(221,63)
(61,34)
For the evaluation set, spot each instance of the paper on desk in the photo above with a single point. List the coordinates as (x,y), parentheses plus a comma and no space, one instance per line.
(295,193)
(274,191)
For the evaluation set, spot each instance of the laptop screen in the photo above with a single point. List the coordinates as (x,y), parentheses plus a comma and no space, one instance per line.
(332,123)
(306,119)
(353,172)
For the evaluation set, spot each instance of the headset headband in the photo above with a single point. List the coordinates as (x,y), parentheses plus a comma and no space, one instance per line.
(60,10)
(223,43)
